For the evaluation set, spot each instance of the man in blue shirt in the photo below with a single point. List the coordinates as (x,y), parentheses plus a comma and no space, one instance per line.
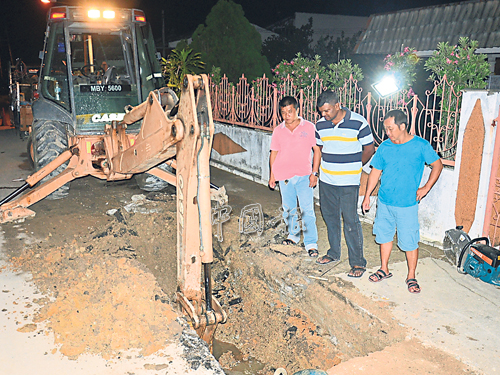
(399,162)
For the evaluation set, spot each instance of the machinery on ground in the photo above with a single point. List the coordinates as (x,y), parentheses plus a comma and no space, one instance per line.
(94,66)
(471,257)
(23,82)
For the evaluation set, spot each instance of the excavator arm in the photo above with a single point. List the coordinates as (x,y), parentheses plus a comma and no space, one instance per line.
(183,130)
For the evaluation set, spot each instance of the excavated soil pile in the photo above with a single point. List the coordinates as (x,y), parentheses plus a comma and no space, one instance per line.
(101,299)
(100,304)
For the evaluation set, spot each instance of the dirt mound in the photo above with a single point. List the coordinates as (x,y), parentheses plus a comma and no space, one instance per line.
(99,304)
(102,299)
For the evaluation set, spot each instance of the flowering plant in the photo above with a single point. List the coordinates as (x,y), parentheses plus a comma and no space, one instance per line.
(404,66)
(215,75)
(339,73)
(460,65)
(302,70)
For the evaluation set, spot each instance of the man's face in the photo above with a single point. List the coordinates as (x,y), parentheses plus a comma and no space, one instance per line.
(329,111)
(289,114)
(396,133)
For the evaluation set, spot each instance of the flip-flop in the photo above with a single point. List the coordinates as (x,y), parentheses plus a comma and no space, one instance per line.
(356,272)
(413,286)
(379,276)
(288,242)
(325,259)
(313,253)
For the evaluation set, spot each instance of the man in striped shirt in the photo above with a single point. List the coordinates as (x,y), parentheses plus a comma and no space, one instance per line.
(346,144)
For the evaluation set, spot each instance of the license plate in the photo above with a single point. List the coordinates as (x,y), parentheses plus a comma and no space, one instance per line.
(105,88)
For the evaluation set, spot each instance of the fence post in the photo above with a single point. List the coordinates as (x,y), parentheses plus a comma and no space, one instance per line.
(232,116)
(413,114)
(274,122)
(369,108)
(301,103)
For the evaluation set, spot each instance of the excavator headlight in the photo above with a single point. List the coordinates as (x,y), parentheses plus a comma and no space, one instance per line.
(108,14)
(94,13)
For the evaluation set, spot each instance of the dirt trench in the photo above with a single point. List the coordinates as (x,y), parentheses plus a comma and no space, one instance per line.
(285,311)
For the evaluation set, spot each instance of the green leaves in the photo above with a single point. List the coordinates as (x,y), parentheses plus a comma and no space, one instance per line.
(340,72)
(403,65)
(178,64)
(460,64)
(228,40)
(304,70)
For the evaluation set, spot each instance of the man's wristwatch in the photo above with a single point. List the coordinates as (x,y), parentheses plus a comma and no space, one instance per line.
(315,174)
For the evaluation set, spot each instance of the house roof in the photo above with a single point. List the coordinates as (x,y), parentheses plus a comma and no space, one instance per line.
(424,28)
(331,24)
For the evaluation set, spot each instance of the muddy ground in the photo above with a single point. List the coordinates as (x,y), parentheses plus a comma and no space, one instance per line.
(108,280)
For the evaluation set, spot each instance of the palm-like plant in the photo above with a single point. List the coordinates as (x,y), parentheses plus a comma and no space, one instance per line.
(178,64)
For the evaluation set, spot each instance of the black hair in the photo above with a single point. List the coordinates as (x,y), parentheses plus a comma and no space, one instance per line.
(329,96)
(288,100)
(399,117)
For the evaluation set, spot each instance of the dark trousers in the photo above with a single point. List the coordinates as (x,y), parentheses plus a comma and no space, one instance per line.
(337,202)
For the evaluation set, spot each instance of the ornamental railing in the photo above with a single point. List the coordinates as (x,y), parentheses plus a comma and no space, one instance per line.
(255,105)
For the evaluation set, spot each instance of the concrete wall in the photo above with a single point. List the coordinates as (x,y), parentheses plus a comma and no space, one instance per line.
(252,164)
(436,210)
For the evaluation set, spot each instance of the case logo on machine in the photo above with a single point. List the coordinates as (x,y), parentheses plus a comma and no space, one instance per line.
(107,117)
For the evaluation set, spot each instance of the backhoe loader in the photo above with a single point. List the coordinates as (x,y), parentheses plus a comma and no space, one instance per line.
(87,122)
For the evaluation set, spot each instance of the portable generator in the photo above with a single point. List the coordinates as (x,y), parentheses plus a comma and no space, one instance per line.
(479,260)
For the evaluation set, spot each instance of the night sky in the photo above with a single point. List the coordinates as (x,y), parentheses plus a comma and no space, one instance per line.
(22,22)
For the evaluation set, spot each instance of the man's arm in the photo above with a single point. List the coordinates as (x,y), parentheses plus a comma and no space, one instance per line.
(437,167)
(370,186)
(313,180)
(368,151)
(272,158)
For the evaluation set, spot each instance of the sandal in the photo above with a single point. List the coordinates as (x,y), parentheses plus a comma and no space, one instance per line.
(379,276)
(313,253)
(413,286)
(288,242)
(325,259)
(356,271)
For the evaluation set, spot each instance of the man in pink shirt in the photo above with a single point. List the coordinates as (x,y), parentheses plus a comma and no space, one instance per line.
(295,167)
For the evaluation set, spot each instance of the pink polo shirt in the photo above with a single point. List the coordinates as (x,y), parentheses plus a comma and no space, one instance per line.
(294,156)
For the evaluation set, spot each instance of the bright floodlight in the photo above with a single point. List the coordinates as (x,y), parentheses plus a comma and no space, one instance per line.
(386,86)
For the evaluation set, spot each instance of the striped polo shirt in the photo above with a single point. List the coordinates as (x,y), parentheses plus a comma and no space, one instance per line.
(342,148)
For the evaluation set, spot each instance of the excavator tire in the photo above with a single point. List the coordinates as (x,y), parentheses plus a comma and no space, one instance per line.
(29,151)
(49,139)
(148,182)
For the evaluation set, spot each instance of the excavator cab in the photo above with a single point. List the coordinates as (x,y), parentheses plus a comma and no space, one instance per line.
(95,62)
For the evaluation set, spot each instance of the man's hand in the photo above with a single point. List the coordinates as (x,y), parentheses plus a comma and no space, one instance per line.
(272,183)
(313,181)
(365,206)
(437,167)
(422,192)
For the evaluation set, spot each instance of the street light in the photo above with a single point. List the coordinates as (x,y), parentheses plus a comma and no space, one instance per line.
(388,85)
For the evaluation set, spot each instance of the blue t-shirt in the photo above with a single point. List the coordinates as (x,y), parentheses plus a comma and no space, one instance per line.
(402,167)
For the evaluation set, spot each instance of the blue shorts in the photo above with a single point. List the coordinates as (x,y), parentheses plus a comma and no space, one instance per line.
(403,219)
